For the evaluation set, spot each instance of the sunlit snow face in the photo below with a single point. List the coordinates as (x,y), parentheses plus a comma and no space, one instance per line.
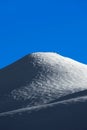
(57,76)
(40,78)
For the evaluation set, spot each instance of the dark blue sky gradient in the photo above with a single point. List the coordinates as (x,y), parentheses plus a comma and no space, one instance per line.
(41,25)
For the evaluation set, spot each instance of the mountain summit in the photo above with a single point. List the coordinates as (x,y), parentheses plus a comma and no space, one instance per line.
(43,91)
(38,79)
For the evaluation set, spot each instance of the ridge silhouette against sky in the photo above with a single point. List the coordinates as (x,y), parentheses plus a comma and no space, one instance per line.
(32,26)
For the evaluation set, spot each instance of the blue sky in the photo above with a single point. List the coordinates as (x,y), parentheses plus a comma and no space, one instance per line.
(41,25)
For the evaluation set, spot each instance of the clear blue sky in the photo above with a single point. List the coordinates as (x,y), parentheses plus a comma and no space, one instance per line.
(40,25)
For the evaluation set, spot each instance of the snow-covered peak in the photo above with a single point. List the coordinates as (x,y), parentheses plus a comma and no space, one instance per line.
(53,58)
(41,78)
(56,76)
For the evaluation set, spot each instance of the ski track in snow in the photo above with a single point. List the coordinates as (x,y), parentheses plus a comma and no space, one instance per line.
(37,108)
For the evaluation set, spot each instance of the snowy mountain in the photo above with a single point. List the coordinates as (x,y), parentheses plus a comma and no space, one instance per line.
(43,86)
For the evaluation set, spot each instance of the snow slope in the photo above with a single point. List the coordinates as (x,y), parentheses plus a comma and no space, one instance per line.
(40,78)
(43,91)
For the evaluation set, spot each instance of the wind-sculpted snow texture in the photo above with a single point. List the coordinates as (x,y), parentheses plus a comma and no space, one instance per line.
(40,83)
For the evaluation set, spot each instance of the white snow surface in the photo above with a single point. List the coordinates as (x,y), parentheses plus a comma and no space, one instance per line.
(57,76)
